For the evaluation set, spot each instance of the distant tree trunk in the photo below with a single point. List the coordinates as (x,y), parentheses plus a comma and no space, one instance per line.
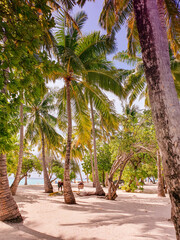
(68,193)
(80,175)
(106,179)
(25,180)
(87,178)
(15,183)
(160,177)
(92,165)
(47,184)
(99,190)
(162,93)
(103,178)
(8,208)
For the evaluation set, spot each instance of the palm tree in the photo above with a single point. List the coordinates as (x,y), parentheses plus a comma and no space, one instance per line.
(76,54)
(40,124)
(151,26)
(8,208)
(15,183)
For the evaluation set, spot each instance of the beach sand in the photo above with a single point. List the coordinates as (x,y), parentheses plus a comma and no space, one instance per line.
(133,216)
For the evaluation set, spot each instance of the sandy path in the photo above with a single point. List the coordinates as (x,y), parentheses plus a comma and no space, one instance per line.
(132,216)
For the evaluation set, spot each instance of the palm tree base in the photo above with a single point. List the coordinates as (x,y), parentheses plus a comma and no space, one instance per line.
(17,219)
(49,191)
(100,193)
(69,197)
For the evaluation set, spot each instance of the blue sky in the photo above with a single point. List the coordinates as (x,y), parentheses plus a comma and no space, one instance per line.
(93,10)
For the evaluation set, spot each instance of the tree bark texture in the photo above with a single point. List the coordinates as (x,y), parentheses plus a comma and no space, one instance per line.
(25,180)
(92,166)
(15,183)
(163,96)
(106,179)
(68,193)
(161,192)
(99,190)
(8,208)
(120,163)
(47,183)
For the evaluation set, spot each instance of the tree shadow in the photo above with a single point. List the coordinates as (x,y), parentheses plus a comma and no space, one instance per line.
(120,213)
(29,231)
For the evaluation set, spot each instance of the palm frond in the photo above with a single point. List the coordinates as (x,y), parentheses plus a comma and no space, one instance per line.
(124,57)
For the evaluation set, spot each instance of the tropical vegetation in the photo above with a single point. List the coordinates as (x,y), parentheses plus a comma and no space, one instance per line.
(78,124)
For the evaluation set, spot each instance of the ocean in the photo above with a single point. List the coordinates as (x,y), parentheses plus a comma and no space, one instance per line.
(30,181)
(35,181)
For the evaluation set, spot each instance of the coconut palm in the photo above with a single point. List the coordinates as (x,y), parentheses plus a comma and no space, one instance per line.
(8,208)
(15,183)
(40,124)
(76,54)
(151,23)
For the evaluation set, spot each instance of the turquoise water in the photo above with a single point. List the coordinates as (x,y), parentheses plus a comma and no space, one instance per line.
(35,181)
(30,181)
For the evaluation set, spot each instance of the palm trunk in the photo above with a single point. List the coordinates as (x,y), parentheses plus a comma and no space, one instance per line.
(15,183)
(8,208)
(68,193)
(80,174)
(92,166)
(103,178)
(99,190)
(163,96)
(106,179)
(25,181)
(161,192)
(87,178)
(47,183)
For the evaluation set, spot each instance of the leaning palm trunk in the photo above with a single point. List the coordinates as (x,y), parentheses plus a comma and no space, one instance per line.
(120,163)
(15,184)
(92,166)
(8,208)
(68,193)
(161,192)
(99,190)
(163,97)
(47,183)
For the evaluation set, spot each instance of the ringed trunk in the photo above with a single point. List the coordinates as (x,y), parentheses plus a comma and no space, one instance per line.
(16,181)
(99,190)
(8,208)
(68,193)
(47,183)
(25,180)
(162,94)
(92,166)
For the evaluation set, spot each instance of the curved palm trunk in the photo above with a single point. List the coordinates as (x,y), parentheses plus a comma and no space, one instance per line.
(47,184)
(68,193)
(163,97)
(161,192)
(15,183)
(99,190)
(92,166)
(80,175)
(25,180)
(8,208)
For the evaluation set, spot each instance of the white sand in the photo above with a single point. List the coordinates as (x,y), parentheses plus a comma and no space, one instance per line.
(132,216)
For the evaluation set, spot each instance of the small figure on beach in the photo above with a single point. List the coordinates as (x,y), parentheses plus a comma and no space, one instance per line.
(60,185)
(80,185)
